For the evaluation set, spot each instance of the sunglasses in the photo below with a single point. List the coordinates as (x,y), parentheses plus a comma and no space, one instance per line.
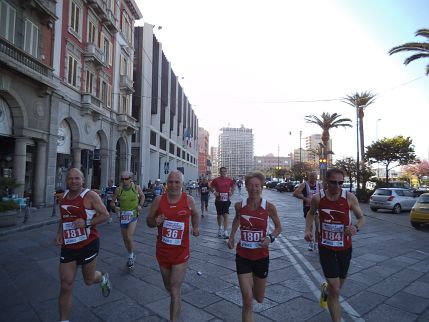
(125,178)
(334,183)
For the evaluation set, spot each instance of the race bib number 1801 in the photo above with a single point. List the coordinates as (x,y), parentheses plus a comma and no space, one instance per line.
(251,238)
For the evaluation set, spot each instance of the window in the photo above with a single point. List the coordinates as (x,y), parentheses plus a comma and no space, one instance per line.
(123,65)
(106,93)
(92,33)
(31,40)
(124,102)
(7,21)
(89,84)
(126,26)
(72,71)
(75,17)
(107,50)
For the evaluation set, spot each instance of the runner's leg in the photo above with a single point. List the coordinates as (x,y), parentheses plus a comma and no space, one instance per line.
(67,276)
(334,286)
(90,275)
(173,279)
(246,288)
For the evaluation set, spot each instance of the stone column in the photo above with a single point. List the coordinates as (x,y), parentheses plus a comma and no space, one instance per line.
(77,158)
(104,165)
(40,176)
(19,164)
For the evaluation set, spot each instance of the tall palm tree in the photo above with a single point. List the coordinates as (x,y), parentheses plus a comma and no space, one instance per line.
(327,122)
(360,101)
(421,48)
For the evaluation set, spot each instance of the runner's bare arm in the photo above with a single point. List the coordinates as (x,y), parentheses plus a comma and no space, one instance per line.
(151,217)
(141,196)
(298,191)
(234,226)
(310,218)
(59,237)
(94,202)
(354,206)
(272,211)
(195,218)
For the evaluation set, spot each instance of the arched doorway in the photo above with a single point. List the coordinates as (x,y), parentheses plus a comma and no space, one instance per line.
(96,164)
(6,140)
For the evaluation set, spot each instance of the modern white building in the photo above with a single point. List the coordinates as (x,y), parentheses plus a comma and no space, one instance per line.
(236,151)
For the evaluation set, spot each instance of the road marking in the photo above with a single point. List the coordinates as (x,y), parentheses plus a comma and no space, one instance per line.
(319,279)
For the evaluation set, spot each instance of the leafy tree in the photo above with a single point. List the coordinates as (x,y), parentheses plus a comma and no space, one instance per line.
(421,49)
(391,152)
(348,165)
(299,169)
(419,169)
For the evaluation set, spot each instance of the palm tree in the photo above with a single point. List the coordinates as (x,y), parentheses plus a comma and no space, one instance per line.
(327,122)
(421,48)
(360,101)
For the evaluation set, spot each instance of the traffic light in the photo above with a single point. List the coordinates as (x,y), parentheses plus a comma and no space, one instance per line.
(322,163)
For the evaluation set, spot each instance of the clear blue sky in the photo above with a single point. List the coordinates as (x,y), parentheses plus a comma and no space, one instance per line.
(249,62)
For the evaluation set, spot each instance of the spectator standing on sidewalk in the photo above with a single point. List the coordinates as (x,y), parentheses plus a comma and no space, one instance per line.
(204,191)
(252,258)
(335,237)
(305,192)
(171,214)
(131,200)
(107,197)
(222,187)
(81,211)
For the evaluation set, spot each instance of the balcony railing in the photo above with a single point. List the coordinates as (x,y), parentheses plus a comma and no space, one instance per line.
(126,84)
(110,21)
(99,6)
(95,54)
(21,57)
(91,105)
(127,123)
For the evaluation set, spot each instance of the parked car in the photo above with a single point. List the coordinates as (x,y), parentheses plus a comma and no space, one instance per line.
(394,199)
(419,214)
(288,186)
(271,184)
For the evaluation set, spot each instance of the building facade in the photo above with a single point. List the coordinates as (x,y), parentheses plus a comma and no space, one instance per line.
(167,137)
(204,163)
(270,161)
(236,151)
(214,156)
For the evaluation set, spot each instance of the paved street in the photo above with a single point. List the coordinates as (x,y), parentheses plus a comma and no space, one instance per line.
(388,279)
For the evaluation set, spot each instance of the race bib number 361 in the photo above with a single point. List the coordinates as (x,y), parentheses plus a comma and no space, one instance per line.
(172,232)
(333,235)
(73,235)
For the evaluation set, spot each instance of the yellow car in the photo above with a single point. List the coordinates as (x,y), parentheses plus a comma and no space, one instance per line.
(420,212)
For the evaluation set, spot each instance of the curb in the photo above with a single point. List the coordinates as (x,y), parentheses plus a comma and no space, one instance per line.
(29,227)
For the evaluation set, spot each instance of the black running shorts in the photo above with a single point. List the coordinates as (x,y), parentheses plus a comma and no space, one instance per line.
(222,207)
(82,256)
(335,263)
(258,267)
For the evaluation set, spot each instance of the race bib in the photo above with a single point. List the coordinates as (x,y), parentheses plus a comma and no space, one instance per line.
(172,232)
(333,235)
(203,189)
(251,238)
(223,196)
(73,235)
(126,217)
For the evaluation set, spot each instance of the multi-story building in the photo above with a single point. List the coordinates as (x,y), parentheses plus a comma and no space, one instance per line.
(270,161)
(65,91)
(214,156)
(204,163)
(167,136)
(236,150)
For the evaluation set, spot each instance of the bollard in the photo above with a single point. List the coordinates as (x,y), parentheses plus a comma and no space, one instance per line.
(54,206)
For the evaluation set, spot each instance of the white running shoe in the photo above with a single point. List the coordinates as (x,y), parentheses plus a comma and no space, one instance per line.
(219,232)
(105,285)
(130,262)
(310,247)
(225,234)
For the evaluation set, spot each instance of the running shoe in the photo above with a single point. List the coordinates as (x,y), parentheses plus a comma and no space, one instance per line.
(219,232)
(310,247)
(225,234)
(130,261)
(324,295)
(105,285)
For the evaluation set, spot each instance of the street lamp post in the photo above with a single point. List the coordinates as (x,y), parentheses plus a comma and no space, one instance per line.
(376,139)
(357,153)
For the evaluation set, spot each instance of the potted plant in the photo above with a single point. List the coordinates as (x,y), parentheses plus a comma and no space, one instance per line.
(8,208)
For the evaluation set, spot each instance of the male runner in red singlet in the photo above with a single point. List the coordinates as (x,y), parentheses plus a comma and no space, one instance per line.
(171,213)
(222,187)
(252,259)
(81,210)
(335,236)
